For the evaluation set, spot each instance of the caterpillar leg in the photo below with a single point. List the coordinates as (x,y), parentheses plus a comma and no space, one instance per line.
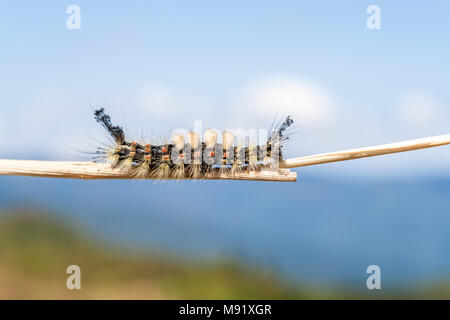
(178,171)
(195,171)
(253,163)
(142,170)
(162,171)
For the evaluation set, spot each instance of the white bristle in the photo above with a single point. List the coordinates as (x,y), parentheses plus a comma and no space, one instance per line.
(194,139)
(228,139)
(178,141)
(210,137)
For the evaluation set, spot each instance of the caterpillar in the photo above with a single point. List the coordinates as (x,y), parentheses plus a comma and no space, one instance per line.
(193,157)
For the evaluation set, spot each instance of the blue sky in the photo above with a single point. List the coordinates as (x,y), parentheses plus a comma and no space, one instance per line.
(160,65)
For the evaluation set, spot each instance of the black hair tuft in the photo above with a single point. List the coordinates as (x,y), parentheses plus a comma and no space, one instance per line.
(115,131)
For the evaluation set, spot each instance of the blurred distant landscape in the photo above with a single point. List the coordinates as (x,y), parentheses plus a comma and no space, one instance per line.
(35,250)
(132,241)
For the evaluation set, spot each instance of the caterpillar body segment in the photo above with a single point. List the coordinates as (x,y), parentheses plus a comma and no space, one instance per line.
(192,156)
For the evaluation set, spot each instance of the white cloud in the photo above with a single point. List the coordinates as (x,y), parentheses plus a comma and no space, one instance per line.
(156,99)
(163,107)
(419,109)
(303,99)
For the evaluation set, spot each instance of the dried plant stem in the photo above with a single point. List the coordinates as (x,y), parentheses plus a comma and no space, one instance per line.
(367,152)
(91,170)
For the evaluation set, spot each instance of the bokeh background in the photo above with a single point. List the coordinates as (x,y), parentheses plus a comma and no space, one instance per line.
(160,65)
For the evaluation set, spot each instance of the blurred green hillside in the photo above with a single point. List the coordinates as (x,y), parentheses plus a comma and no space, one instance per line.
(36,249)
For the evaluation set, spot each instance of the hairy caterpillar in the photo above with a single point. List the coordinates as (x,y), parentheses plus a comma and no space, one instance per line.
(193,159)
